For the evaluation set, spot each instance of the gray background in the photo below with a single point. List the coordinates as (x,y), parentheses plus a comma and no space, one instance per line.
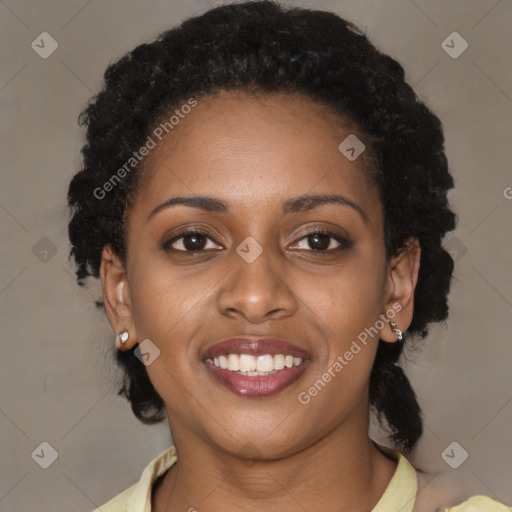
(57,378)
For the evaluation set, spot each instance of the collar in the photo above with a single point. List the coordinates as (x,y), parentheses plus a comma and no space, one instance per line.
(140,500)
(400,493)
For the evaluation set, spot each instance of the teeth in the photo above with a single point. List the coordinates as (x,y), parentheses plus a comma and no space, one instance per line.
(247,364)
(253,374)
(265,363)
(233,362)
(278,362)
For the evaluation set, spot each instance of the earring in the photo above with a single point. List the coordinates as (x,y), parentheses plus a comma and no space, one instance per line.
(123,337)
(396,330)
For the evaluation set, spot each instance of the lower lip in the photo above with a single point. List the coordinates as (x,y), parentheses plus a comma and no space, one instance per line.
(258,385)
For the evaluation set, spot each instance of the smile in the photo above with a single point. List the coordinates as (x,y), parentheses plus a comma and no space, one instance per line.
(257,365)
(256,376)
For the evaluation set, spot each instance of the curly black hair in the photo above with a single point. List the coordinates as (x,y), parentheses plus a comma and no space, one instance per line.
(265,47)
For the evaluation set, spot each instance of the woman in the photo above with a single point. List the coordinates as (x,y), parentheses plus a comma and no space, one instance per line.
(263,198)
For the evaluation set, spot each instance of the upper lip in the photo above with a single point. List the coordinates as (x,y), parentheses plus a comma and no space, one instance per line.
(256,346)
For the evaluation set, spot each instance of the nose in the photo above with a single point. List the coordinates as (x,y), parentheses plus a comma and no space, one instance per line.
(257,291)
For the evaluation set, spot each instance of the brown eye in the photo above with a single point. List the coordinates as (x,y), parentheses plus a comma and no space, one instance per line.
(320,240)
(192,240)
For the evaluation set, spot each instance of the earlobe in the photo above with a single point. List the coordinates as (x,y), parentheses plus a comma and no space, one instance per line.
(116,297)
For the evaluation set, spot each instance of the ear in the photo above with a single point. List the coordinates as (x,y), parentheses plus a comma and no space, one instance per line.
(116,295)
(401,282)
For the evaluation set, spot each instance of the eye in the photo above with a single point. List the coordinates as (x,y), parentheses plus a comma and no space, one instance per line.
(321,240)
(196,240)
(191,240)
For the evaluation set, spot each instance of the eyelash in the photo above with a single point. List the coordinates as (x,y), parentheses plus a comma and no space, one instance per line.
(344,242)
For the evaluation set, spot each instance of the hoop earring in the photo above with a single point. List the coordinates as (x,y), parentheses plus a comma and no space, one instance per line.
(123,337)
(396,330)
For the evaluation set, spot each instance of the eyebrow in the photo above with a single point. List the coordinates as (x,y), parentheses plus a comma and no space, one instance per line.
(301,203)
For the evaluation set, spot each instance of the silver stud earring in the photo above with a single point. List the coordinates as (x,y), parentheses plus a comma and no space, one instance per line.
(123,337)
(396,330)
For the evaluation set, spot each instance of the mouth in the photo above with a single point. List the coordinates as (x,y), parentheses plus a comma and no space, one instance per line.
(255,367)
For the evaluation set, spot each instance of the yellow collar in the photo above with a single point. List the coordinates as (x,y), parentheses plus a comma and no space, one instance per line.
(400,493)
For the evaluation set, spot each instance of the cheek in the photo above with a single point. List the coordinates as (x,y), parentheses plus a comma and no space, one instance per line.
(340,378)
(349,307)
(167,305)
(352,298)
(168,311)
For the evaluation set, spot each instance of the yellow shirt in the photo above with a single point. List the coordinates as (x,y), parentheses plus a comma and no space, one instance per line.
(399,495)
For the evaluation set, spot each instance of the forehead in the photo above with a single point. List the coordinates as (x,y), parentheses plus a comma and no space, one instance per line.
(254,151)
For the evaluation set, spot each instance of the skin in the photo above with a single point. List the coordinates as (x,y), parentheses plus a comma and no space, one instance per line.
(256,152)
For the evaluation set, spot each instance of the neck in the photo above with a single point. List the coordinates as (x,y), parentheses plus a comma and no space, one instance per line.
(342,471)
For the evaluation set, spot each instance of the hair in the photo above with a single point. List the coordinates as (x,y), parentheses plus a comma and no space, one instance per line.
(266,48)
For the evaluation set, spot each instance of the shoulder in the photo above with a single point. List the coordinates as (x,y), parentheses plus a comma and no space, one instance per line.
(440,493)
(478,504)
(138,496)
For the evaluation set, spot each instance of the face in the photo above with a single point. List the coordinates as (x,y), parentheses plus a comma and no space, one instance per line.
(252,267)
